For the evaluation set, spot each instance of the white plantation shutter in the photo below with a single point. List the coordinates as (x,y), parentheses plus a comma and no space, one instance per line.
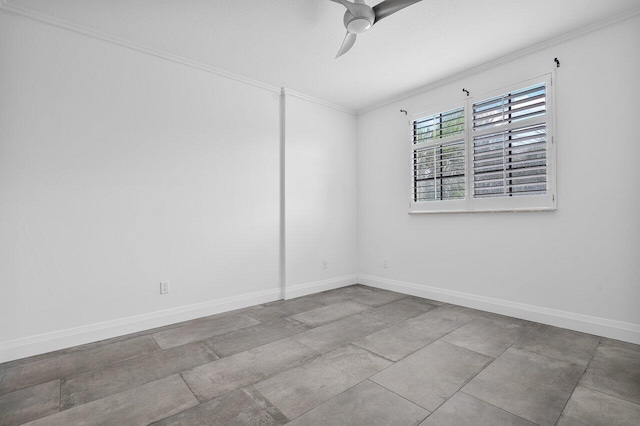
(439,157)
(503,160)
(439,172)
(439,126)
(510,144)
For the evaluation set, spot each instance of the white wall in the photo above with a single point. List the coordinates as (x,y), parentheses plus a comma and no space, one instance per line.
(576,267)
(119,169)
(321,203)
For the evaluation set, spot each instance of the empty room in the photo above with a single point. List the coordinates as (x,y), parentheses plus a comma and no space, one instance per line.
(320,212)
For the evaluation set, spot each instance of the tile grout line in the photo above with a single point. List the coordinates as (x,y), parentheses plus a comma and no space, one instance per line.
(438,339)
(398,322)
(373,353)
(78,373)
(564,407)
(403,397)
(271,402)
(596,390)
(250,384)
(486,366)
(138,385)
(419,349)
(495,406)
(356,384)
(549,356)
(467,381)
(60,398)
(293,337)
(190,390)
(268,400)
(480,371)
(531,329)
(607,394)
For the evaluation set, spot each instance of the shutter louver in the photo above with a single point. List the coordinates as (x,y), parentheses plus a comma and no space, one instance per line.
(439,157)
(510,144)
(439,172)
(439,126)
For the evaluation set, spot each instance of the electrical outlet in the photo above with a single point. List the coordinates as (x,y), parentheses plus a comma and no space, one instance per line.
(164,287)
(325,264)
(385,263)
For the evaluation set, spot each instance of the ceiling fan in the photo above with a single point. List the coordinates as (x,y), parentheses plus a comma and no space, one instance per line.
(359,17)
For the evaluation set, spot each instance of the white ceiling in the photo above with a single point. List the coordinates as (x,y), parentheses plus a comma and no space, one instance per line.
(292,43)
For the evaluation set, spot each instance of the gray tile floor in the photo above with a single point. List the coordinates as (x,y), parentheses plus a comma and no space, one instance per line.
(351,356)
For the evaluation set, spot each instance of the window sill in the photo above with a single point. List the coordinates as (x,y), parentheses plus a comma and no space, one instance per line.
(496,210)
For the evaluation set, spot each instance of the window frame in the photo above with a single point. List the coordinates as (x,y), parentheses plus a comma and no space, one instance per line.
(530,202)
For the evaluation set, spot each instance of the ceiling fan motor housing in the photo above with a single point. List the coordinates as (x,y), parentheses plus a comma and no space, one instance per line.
(361,20)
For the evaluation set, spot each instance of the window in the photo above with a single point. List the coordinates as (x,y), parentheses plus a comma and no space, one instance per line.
(439,157)
(501,158)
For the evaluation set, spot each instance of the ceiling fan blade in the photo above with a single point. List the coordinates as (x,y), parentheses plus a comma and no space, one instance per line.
(347,4)
(347,44)
(389,7)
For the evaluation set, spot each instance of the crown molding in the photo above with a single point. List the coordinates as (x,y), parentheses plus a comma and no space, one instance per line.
(494,63)
(327,104)
(12,9)
(7,7)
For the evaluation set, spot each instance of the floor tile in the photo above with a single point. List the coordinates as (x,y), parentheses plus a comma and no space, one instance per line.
(433,374)
(283,308)
(400,310)
(93,345)
(402,339)
(529,385)
(614,370)
(489,336)
(246,368)
(28,404)
(76,362)
(335,367)
(559,343)
(201,329)
(464,410)
(253,336)
(354,361)
(355,290)
(588,407)
(366,404)
(142,405)
(431,301)
(329,313)
(116,378)
(620,344)
(339,333)
(84,347)
(378,297)
(451,316)
(297,391)
(238,408)
(326,298)
(520,321)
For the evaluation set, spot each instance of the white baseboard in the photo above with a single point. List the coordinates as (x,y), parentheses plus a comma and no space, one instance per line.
(291,292)
(584,323)
(43,343)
